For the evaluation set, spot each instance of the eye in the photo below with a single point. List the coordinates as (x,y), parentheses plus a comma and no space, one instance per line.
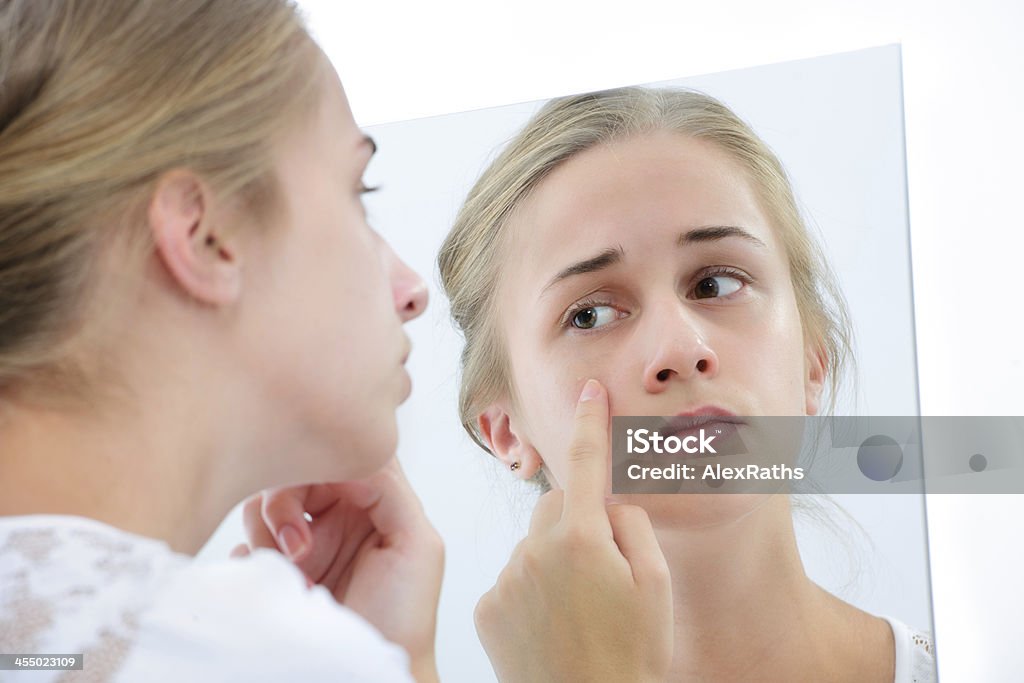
(591,316)
(363,189)
(719,284)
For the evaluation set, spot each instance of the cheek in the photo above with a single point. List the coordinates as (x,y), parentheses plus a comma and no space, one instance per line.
(773,359)
(550,383)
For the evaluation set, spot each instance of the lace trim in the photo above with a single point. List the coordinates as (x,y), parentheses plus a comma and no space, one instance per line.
(923,641)
(37,600)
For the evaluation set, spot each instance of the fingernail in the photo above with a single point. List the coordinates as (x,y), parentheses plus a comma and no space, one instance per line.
(290,541)
(590,390)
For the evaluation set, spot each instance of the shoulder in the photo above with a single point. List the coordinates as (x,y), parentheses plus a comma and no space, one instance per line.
(139,611)
(915,653)
(257,614)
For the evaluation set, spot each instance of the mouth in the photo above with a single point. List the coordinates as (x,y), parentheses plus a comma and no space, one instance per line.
(702,416)
(711,420)
(408,350)
(406,389)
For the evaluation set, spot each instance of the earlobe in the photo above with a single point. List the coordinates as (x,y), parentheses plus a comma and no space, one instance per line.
(187,242)
(497,431)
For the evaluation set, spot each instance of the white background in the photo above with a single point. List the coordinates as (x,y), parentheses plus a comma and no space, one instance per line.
(963,94)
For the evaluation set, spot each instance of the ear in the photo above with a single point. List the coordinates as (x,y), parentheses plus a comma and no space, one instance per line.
(188,242)
(815,364)
(500,435)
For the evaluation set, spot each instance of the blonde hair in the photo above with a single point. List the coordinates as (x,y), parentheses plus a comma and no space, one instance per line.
(98,98)
(472,254)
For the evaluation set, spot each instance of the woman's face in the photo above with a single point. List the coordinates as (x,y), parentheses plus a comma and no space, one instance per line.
(649,265)
(332,299)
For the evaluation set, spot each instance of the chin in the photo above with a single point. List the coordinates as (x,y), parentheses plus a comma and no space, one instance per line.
(375,452)
(345,450)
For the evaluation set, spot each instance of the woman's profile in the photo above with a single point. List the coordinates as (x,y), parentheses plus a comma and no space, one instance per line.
(181,237)
(193,309)
(648,239)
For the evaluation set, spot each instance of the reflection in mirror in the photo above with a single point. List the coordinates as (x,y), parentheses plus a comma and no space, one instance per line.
(594,276)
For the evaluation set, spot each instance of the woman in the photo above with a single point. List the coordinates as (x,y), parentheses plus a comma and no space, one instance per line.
(179,244)
(193,308)
(650,240)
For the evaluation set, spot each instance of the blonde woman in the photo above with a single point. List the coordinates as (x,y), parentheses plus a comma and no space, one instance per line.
(192,309)
(647,239)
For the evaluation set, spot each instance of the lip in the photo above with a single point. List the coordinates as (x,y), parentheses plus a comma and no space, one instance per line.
(406,390)
(719,421)
(408,350)
(702,416)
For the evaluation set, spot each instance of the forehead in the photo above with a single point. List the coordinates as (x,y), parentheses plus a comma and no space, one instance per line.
(336,103)
(334,121)
(642,191)
(327,137)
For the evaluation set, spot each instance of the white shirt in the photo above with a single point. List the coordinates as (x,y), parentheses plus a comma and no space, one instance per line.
(141,612)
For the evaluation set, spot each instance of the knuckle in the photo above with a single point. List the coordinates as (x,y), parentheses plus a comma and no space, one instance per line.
(549,502)
(253,505)
(391,475)
(435,543)
(484,612)
(580,450)
(514,562)
(532,562)
(629,514)
(578,543)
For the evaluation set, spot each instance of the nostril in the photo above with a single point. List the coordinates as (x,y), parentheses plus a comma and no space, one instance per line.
(663,375)
(702,365)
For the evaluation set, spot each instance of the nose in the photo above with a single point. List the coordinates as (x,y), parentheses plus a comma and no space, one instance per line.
(680,352)
(407,288)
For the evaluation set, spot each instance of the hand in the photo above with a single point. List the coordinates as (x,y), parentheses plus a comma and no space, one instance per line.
(586,595)
(370,544)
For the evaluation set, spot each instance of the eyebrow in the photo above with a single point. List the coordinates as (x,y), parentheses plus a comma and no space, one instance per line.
(614,255)
(713,233)
(605,259)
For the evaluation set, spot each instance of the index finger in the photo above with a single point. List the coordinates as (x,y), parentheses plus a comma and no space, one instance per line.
(283,512)
(587,474)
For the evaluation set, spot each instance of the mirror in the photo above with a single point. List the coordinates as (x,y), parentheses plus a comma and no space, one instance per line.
(836,123)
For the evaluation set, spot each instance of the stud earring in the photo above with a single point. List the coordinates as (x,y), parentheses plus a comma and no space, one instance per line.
(515,466)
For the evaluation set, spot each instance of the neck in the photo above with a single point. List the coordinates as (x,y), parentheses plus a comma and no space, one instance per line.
(149,472)
(745,609)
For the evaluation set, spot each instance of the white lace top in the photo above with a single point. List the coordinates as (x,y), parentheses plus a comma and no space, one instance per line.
(915,654)
(141,612)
